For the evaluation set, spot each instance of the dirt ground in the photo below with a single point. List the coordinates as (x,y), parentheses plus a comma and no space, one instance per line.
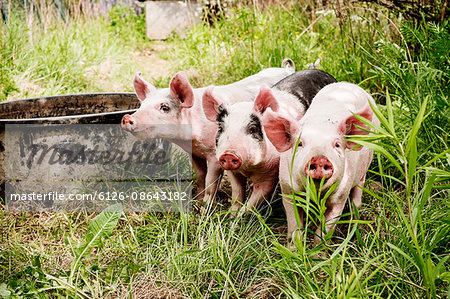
(150,63)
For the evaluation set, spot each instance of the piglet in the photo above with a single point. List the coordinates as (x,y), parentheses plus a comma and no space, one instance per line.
(323,151)
(241,143)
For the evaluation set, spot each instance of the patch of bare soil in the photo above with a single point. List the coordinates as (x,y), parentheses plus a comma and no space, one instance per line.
(150,64)
(102,75)
(115,76)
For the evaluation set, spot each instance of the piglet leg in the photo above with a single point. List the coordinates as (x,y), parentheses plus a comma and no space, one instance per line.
(199,166)
(214,171)
(290,210)
(238,182)
(356,193)
(261,191)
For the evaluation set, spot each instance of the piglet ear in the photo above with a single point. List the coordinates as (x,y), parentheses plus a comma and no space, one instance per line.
(142,87)
(264,100)
(348,125)
(279,130)
(181,90)
(210,104)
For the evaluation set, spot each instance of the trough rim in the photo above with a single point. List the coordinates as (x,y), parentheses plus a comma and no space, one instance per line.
(55,118)
(67,95)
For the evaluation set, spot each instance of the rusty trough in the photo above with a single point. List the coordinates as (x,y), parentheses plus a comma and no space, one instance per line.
(95,108)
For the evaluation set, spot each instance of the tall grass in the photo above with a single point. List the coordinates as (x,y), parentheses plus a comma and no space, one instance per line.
(395,246)
(278,32)
(412,80)
(81,55)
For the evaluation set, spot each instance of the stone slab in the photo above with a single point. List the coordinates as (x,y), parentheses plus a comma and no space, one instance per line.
(164,17)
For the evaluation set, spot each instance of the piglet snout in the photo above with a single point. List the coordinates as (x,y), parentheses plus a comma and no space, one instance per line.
(319,167)
(230,162)
(128,123)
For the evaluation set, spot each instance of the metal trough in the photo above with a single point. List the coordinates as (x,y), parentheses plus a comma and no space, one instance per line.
(96,108)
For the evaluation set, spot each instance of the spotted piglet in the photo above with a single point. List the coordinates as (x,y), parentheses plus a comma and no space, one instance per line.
(242,147)
(323,151)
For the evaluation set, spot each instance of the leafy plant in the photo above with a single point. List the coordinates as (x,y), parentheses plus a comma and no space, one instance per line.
(411,81)
(413,243)
(100,227)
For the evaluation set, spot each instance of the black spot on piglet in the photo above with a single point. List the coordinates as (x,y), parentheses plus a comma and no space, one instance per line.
(254,128)
(221,114)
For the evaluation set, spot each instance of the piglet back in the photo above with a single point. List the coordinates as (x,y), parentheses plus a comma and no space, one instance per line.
(305,84)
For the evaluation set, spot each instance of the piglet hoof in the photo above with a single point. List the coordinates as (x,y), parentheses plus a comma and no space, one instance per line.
(204,207)
(236,214)
(234,210)
(239,212)
(233,213)
(317,241)
(245,211)
(202,210)
(207,199)
(291,246)
(197,206)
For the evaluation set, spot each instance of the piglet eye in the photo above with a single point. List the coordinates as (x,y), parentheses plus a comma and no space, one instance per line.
(337,144)
(164,108)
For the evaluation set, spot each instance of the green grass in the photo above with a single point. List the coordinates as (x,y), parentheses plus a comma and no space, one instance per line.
(397,244)
(83,55)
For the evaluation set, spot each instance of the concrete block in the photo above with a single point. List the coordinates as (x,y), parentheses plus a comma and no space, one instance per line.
(164,17)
